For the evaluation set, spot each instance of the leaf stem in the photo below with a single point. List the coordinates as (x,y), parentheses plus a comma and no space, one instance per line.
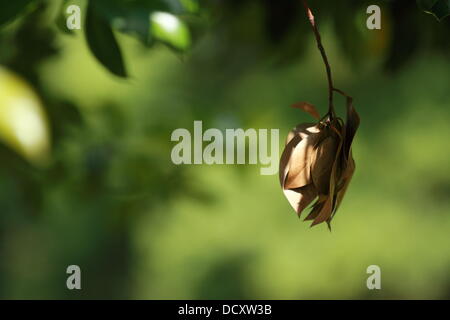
(310,15)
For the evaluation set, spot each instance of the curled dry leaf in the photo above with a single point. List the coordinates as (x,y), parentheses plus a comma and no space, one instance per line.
(317,163)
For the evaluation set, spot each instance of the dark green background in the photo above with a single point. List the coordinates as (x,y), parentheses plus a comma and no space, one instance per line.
(112,202)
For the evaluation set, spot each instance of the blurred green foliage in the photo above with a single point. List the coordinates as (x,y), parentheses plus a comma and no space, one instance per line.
(111,201)
(439,8)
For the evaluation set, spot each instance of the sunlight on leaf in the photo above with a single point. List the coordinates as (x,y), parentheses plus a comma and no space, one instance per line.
(23,123)
(170,30)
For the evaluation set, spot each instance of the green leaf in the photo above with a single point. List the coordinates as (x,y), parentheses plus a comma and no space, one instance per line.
(23,121)
(131,17)
(103,43)
(169,29)
(439,8)
(134,23)
(10,9)
(190,5)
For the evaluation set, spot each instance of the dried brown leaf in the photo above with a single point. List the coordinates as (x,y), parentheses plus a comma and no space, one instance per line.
(286,156)
(317,163)
(325,212)
(299,174)
(299,146)
(322,163)
(316,207)
(351,125)
(345,181)
(300,198)
(303,130)
(294,137)
(328,207)
(307,107)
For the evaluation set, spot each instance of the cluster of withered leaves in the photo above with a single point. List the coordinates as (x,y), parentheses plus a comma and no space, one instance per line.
(317,163)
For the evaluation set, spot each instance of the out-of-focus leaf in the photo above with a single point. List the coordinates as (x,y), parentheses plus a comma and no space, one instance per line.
(135,24)
(10,9)
(181,6)
(190,5)
(23,122)
(170,29)
(103,43)
(439,8)
(344,25)
(132,17)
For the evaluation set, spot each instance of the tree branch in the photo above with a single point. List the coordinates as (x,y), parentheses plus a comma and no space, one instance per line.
(331,111)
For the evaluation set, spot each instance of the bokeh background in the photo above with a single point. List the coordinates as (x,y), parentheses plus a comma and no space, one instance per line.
(105,195)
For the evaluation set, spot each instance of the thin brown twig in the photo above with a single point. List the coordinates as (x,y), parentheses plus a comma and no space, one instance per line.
(310,15)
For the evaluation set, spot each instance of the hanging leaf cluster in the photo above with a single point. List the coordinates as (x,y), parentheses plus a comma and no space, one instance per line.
(317,163)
